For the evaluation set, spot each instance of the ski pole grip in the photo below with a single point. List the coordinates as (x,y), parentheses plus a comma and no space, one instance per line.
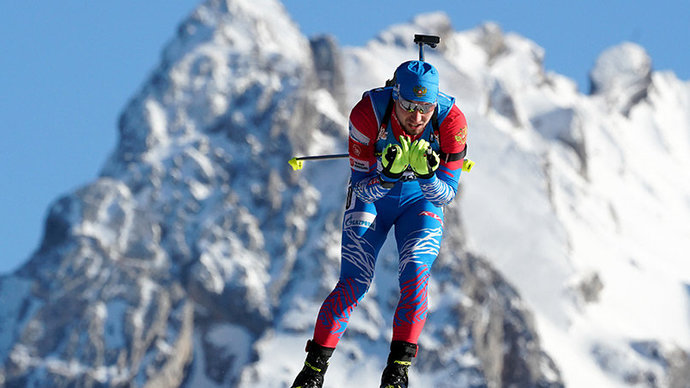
(467,165)
(296,164)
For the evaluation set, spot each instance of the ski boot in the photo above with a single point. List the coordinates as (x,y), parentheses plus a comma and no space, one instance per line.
(399,361)
(315,366)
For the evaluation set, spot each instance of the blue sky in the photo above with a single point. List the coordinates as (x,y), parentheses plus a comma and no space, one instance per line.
(68,68)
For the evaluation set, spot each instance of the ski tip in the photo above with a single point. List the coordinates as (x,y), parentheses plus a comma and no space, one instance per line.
(295,164)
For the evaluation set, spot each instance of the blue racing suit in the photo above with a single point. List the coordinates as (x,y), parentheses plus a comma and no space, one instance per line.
(413,205)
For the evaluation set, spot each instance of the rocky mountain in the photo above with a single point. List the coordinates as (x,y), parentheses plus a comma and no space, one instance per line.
(199,258)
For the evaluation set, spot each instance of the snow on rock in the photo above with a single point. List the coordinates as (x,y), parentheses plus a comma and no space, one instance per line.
(200,259)
(622,75)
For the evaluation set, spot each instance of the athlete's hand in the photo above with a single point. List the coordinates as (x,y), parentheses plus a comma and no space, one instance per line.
(423,160)
(395,158)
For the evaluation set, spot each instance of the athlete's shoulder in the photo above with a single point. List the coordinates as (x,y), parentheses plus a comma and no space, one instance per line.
(363,121)
(456,116)
(453,130)
(364,109)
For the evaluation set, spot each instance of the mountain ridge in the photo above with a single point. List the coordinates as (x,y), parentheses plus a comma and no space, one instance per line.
(198,258)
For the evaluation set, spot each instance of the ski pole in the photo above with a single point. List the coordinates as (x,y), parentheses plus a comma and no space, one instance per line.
(297,162)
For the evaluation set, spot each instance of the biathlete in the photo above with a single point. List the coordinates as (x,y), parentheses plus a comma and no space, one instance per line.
(407,143)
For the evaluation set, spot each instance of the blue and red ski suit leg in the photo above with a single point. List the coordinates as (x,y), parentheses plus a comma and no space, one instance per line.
(412,207)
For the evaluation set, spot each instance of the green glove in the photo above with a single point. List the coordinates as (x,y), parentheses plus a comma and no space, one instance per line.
(423,160)
(395,159)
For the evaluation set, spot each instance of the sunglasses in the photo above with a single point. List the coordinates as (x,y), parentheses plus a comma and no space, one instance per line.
(412,107)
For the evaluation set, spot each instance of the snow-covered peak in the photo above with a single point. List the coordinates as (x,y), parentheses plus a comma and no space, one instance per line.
(229,63)
(490,38)
(622,75)
(257,27)
(200,259)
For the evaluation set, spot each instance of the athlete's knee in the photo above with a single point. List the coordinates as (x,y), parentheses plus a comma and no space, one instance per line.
(413,282)
(354,288)
(419,247)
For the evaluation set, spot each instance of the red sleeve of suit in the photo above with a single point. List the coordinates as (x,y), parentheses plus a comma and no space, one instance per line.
(363,133)
(453,133)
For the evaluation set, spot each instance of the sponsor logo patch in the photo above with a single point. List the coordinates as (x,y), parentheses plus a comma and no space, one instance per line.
(360,219)
(359,165)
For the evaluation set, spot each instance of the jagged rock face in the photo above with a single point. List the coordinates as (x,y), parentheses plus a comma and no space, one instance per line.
(199,258)
(490,38)
(327,61)
(177,236)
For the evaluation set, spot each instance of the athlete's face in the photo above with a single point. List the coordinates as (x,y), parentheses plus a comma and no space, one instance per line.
(411,117)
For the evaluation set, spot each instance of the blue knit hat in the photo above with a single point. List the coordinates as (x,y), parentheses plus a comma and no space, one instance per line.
(416,81)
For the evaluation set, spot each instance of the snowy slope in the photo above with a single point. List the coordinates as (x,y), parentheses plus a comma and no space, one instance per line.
(199,258)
